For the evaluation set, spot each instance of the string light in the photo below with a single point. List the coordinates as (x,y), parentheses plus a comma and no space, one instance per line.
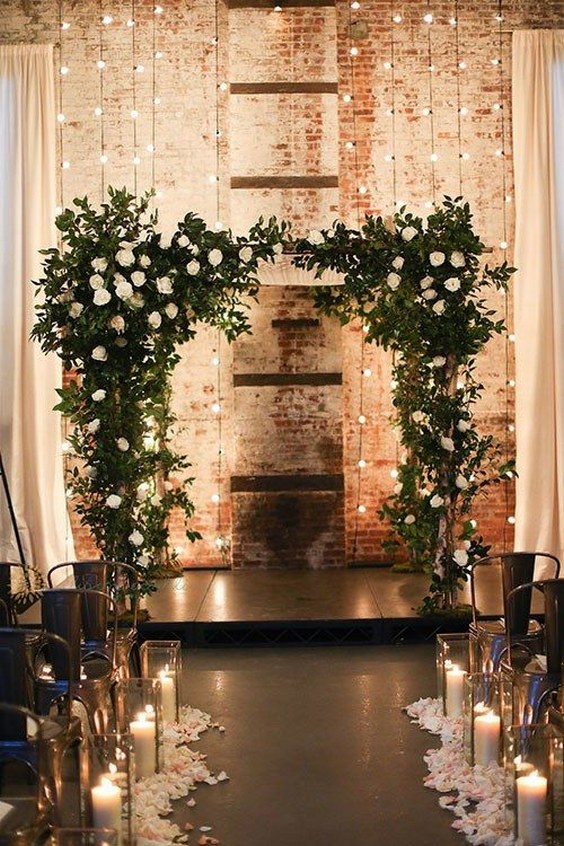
(135,69)
(99,110)
(428,18)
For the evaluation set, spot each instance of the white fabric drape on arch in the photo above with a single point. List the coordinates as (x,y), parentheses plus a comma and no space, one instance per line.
(538,140)
(30,434)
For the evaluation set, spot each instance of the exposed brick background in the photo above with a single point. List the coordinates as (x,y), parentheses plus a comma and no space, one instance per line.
(270,134)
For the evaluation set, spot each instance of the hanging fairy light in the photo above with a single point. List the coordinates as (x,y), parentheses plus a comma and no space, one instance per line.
(135,70)
(433,157)
(105,20)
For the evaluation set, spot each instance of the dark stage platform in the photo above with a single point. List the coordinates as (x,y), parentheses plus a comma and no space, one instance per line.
(287,607)
(372,605)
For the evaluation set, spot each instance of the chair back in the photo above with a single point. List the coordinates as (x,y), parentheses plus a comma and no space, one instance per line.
(553,590)
(61,615)
(14,678)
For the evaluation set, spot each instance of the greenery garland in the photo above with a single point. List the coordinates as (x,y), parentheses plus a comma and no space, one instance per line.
(116,303)
(418,289)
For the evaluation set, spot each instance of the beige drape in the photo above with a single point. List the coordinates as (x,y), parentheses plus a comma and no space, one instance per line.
(538,139)
(29,430)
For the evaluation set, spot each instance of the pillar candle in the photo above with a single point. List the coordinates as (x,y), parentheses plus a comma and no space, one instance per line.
(168,696)
(531,801)
(144,745)
(106,806)
(487,729)
(454,691)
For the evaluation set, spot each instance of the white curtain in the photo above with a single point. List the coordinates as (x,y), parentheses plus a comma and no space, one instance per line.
(538,140)
(30,434)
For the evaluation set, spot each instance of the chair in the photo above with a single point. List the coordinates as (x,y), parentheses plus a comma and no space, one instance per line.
(530,678)
(4,615)
(58,731)
(109,577)
(89,673)
(489,639)
(22,741)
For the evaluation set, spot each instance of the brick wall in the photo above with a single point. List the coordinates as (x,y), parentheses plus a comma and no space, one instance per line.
(282,149)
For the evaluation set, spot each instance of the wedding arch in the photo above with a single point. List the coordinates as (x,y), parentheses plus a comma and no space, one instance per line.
(116,302)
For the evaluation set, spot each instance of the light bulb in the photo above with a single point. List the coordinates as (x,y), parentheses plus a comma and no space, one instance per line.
(65,25)
(394,473)
(462,65)
(65,446)
(156,101)
(511,337)
(511,520)
(511,383)
(136,160)
(510,427)
(362,189)
(215,361)
(388,157)
(355,5)
(215,497)
(367,371)
(150,148)
(140,69)
(463,111)
(397,18)
(361,419)
(354,51)
(494,61)
(63,70)
(431,68)
(428,204)
(426,111)
(212,179)
(474,524)
(388,65)
(361,508)
(107,19)
(499,152)
(508,198)
(452,21)
(496,107)
(223,86)
(366,329)
(389,112)
(465,156)
(434,157)
(100,64)
(158,54)
(218,225)
(361,463)
(428,18)
(216,408)
(130,22)
(97,111)
(61,117)
(349,145)
(158,10)
(347,98)
(103,159)
(503,245)
(65,165)
(134,114)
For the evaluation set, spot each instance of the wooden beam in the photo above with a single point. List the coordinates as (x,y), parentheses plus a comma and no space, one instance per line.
(259,380)
(295,482)
(285,4)
(284,88)
(277,182)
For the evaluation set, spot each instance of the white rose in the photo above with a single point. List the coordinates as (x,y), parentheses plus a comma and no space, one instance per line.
(447,443)
(193,267)
(171,310)
(246,253)
(101,297)
(461,557)
(154,319)
(99,353)
(439,306)
(408,233)
(314,236)
(136,538)
(398,262)
(125,257)
(95,281)
(124,290)
(429,294)
(155,500)
(409,520)
(452,283)
(122,444)
(183,241)
(426,282)
(436,501)
(461,482)
(393,281)
(142,493)
(76,309)
(437,259)
(144,261)
(215,257)
(463,425)
(138,278)
(99,264)
(118,277)
(418,416)
(113,501)
(117,323)
(164,285)
(439,361)
(143,560)
(93,426)
(99,395)
(398,487)
(91,472)
(277,249)
(137,300)
(457,259)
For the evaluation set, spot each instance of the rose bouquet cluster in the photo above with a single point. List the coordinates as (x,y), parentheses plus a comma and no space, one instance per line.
(115,303)
(421,292)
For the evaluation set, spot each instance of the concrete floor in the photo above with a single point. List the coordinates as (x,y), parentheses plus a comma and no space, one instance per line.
(317,748)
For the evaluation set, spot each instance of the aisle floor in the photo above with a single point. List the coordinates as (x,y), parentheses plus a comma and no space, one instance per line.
(317,747)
